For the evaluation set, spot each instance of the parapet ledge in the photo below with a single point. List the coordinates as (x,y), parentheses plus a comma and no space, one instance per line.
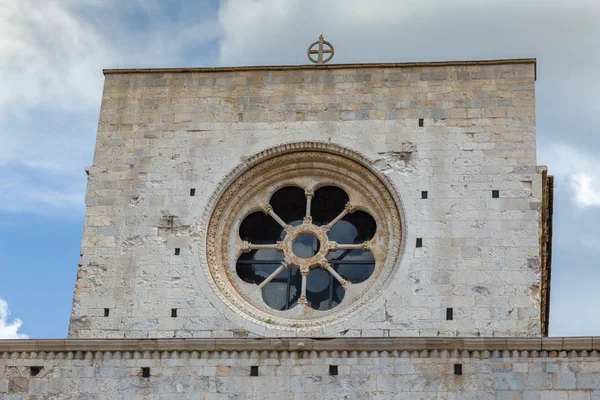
(479,344)
(320,67)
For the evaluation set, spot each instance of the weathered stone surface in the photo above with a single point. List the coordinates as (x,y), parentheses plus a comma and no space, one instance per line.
(162,133)
(211,374)
(29,350)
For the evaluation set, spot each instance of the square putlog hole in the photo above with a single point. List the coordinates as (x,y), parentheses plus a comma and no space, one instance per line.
(192,192)
(145,372)
(34,371)
(106,312)
(333,370)
(419,242)
(495,194)
(177,251)
(254,370)
(424,194)
(421,122)
(457,369)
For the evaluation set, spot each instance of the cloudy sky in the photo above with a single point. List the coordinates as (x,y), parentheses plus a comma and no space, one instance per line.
(52,53)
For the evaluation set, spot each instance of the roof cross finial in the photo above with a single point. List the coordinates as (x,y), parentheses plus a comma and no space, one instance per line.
(324,48)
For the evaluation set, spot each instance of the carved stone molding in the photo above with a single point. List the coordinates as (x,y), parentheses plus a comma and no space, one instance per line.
(309,165)
(442,347)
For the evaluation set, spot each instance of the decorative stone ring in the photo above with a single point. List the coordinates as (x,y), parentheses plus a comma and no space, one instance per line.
(322,43)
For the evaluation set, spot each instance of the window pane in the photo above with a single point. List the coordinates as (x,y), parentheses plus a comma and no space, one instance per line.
(255,273)
(327,203)
(323,291)
(357,265)
(338,293)
(355,273)
(263,254)
(306,245)
(350,255)
(283,292)
(289,203)
(260,228)
(357,227)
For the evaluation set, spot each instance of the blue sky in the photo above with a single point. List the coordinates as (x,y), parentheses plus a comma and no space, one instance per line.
(51,58)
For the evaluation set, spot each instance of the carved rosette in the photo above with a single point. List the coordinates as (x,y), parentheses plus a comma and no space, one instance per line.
(310,167)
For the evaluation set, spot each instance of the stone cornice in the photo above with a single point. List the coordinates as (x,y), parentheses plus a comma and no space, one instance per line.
(320,67)
(463,345)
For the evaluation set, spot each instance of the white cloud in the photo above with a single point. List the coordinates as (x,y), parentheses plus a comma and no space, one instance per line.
(51,58)
(48,55)
(587,188)
(50,69)
(9,330)
(577,170)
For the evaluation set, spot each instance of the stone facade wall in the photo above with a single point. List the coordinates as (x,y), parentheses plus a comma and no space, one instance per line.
(377,369)
(162,133)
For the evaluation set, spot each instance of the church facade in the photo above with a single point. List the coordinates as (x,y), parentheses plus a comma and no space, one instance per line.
(191,160)
(286,232)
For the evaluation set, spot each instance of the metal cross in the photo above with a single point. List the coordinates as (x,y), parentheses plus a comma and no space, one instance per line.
(321,50)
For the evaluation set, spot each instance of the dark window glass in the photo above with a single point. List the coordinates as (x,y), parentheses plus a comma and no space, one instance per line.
(257,265)
(323,291)
(263,254)
(354,228)
(283,292)
(306,245)
(327,203)
(457,369)
(289,203)
(355,266)
(260,228)
(337,293)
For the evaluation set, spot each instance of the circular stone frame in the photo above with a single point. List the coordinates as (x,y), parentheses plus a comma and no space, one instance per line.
(290,165)
(293,234)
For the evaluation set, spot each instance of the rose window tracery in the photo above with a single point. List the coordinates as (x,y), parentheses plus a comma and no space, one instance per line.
(306,247)
(301,240)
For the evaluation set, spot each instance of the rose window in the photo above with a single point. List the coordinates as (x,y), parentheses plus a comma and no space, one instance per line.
(306,247)
(300,240)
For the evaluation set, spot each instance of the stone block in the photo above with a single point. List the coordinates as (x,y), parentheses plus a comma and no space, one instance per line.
(18,385)
(554,395)
(588,381)
(509,381)
(539,381)
(564,381)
